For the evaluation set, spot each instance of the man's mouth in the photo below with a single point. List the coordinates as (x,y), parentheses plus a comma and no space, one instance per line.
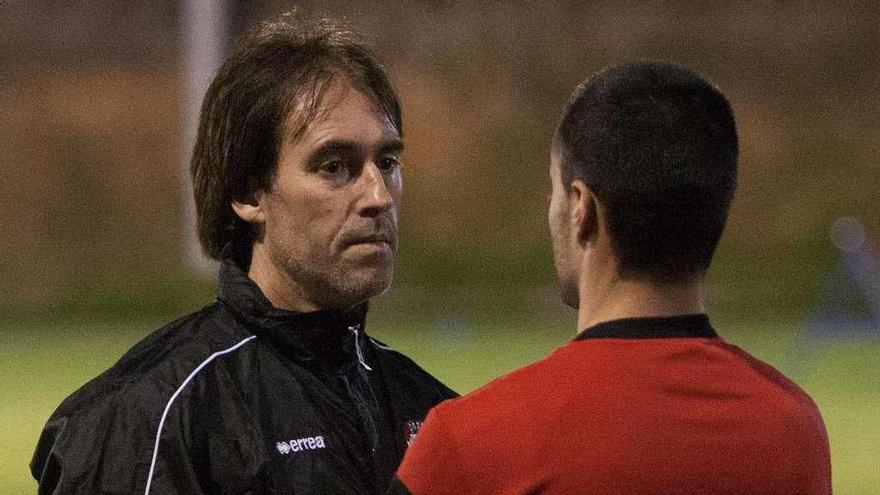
(378,238)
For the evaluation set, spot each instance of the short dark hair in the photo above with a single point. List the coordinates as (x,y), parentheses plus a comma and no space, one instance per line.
(657,145)
(279,68)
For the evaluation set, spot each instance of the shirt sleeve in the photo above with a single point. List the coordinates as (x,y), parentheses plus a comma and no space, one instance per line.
(91,450)
(434,464)
(107,446)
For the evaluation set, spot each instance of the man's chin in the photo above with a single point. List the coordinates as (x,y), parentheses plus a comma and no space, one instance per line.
(377,286)
(364,284)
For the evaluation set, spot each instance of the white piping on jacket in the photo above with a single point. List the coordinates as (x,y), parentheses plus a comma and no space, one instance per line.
(174,396)
(380,346)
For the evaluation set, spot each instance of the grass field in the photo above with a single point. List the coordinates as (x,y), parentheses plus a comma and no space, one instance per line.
(40,365)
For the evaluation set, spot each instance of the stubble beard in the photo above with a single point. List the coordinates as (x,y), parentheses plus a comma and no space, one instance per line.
(567,285)
(329,284)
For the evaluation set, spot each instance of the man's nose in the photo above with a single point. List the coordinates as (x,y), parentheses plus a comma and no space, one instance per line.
(377,198)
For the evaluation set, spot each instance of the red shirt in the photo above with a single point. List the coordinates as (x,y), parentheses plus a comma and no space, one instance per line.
(634,406)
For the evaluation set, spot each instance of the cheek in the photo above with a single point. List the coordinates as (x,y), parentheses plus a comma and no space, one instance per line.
(301,226)
(554,214)
(558,222)
(394,184)
(323,225)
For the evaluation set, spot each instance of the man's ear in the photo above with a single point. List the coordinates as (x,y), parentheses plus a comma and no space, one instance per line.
(584,214)
(252,208)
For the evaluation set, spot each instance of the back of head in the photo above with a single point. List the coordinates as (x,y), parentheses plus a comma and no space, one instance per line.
(657,145)
(270,89)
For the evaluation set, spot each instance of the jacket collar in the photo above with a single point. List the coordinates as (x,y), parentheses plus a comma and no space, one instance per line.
(324,337)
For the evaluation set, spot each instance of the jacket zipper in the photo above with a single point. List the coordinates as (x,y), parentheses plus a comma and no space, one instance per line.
(357,346)
(358,393)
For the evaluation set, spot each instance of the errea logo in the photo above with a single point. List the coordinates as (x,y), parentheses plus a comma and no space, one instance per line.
(300,444)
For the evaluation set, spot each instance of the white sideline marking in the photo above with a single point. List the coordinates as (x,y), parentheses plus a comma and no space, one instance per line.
(174,396)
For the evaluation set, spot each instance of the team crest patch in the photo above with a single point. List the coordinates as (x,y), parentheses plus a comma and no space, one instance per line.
(410,430)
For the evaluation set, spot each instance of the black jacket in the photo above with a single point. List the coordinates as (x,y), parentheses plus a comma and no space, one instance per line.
(241,397)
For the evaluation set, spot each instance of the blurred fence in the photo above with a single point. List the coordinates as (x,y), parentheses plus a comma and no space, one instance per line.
(91,103)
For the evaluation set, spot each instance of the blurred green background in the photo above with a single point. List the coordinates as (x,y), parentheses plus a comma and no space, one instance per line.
(96,239)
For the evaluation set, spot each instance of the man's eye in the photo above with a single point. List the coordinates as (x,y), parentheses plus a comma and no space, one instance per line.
(389,163)
(334,167)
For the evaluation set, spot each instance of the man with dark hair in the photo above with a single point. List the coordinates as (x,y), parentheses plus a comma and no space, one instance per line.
(647,399)
(275,388)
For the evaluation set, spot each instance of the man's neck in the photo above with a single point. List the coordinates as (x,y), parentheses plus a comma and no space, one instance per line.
(282,292)
(636,299)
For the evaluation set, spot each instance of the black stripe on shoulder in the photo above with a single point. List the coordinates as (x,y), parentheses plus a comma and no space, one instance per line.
(667,327)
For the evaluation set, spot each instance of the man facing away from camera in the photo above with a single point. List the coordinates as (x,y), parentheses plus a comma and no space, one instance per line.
(274,388)
(647,399)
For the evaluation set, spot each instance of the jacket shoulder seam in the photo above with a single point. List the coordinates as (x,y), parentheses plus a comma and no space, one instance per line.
(174,396)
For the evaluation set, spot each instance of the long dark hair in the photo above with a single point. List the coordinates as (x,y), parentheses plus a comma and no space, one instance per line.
(268,90)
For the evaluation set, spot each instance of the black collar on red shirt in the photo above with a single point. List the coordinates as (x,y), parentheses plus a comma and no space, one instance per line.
(667,327)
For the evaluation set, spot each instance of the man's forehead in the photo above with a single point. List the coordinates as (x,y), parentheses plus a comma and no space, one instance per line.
(339,123)
(338,111)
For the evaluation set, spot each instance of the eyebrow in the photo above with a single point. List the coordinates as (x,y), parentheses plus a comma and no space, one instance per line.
(347,146)
(392,146)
